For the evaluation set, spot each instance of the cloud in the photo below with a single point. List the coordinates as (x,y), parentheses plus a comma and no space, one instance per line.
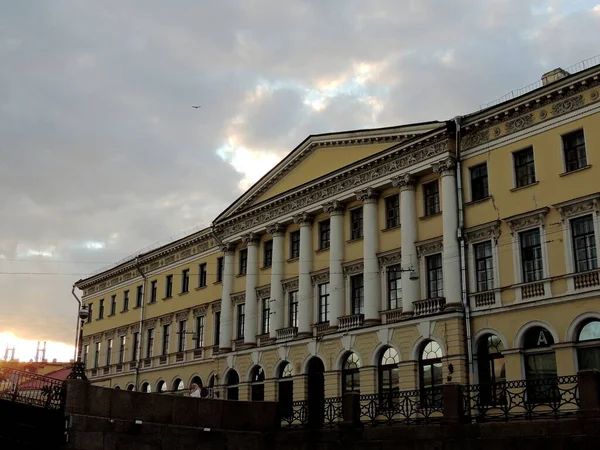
(103,155)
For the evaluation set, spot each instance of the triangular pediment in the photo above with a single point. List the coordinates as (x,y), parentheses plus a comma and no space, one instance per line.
(319,155)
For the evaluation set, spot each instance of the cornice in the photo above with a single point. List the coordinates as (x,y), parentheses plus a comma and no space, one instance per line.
(577,206)
(486,231)
(526,220)
(353,267)
(429,247)
(320,276)
(390,257)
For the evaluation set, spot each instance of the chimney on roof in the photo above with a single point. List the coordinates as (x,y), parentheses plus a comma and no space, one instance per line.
(554,75)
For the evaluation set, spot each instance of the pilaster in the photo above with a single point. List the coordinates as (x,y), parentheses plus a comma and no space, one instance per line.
(305,297)
(277,300)
(225,333)
(251,316)
(372,282)
(335,210)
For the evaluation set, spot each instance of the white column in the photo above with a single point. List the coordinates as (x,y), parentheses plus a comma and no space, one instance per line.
(408,226)
(277,299)
(451,255)
(372,282)
(251,313)
(225,333)
(305,291)
(336,258)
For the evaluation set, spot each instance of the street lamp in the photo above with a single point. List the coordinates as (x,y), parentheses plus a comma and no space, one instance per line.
(413,276)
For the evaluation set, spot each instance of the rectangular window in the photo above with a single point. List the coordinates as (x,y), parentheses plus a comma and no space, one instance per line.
(435,276)
(531,256)
(185,281)
(295,244)
(431,191)
(101,309)
(181,334)
(86,353)
(479,182)
(109,347)
(392,211)
(241,317)
(199,338)
(135,344)
(484,266)
(394,287)
(97,355)
(266,315)
(122,341)
(126,301)
(356,223)
(574,150)
(584,244)
(139,296)
(323,302)
(524,167)
(91,312)
(293,308)
(166,335)
(217,329)
(113,305)
(220,269)
(243,261)
(268,253)
(324,234)
(149,342)
(358,293)
(169,286)
(202,275)
(153,290)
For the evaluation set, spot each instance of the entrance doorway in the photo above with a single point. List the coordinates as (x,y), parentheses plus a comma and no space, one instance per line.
(316,392)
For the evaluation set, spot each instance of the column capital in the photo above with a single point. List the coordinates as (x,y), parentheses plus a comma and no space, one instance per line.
(405,181)
(446,166)
(228,248)
(334,208)
(368,195)
(304,219)
(275,229)
(250,238)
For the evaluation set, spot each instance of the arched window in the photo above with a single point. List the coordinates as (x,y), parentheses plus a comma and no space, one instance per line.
(491,369)
(257,384)
(286,389)
(130,387)
(430,373)
(387,373)
(161,386)
(233,381)
(146,387)
(117,387)
(178,385)
(197,380)
(588,348)
(351,373)
(540,364)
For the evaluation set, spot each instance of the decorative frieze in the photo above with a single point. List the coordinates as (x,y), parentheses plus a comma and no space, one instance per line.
(390,258)
(484,232)
(353,268)
(446,166)
(333,208)
(150,323)
(122,331)
(290,285)
(578,206)
(367,195)
(567,105)
(237,298)
(110,334)
(216,306)
(524,121)
(166,320)
(404,181)
(477,138)
(528,220)
(303,219)
(320,277)
(263,292)
(200,310)
(275,229)
(86,340)
(135,328)
(429,247)
(181,315)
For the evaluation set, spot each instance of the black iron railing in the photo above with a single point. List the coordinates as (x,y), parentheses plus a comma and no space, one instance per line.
(31,388)
(300,414)
(402,407)
(524,399)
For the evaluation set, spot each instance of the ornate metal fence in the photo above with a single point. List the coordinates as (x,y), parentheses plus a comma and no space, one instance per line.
(31,388)
(525,399)
(402,407)
(297,414)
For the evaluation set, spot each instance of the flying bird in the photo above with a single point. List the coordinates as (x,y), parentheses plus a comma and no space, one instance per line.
(196,106)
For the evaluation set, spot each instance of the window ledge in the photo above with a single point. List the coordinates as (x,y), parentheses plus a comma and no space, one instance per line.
(564,174)
(136,307)
(183,293)
(111,315)
(167,298)
(480,200)
(218,282)
(199,288)
(350,241)
(396,227)
(266,267)
(322,250)
(524,187)
(124,311)
(152,302)
(439,213)
(290,260)
(240,275)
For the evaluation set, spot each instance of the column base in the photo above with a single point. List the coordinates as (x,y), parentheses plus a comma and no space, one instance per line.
(371,322)
(453,307)
(245,346)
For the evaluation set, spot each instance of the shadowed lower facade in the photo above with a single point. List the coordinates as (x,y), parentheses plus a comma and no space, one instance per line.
(381,260)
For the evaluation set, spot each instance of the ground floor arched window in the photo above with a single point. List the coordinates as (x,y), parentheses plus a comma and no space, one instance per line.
(351,373)
(130,387)
(588,345)
(388,375)
(285,388)
(430,373)
(178,385)
(491,370)
(146,387)
(161,387)
(233,388)
(540,365)
(257,384)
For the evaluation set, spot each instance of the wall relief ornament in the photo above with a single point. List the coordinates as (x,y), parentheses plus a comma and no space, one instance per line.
(216,306)
(303,219)
(475,139)
(320,277)
(484,232)
(334,207)
(263,292)
(595,95)
(86,340)
(527,220)
(110,334)
(430,247)
(237,298)
(390,258)
(181,315)
(572,208)
(353,268)
(446,166)
(150,323)
(290,285)
(404,181)
(97,338)
(275,229)
(519,123)
(135,328)
(166,320)
(367,195)
(567,105)
(250,238)
(122,330)
(199,311)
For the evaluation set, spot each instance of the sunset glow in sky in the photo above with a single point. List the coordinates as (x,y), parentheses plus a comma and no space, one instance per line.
(25,350)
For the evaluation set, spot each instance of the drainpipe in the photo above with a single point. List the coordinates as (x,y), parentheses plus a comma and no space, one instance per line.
(141,335)
(78,329)
(463,264)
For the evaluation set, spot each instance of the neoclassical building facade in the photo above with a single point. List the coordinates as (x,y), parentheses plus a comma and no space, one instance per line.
(378,260)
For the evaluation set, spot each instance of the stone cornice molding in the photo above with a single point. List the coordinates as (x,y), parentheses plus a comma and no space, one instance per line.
(368,195)
(150,323)
(86,340)
(578,206)
(263,292)
(110,334)
(404,181)
(200,311)
(122,331)
(275,229)
(334,208)
(238,297)
(429,247)
(250,239)
(520,222)
(290,285)
(166,320)
(182,315)
(445,167)
(484,232)
(216,306)
(390,258)
(320,277)
(303,219)
(135,328)
(353,268)
(97,338)
(394,160)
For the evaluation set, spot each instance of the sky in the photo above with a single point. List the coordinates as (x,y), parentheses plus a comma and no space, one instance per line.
(102,154)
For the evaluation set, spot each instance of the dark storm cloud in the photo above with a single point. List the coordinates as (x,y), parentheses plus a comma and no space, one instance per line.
(101,153)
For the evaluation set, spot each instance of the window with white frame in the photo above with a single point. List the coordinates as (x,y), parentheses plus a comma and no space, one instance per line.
(293,308)
(583,239)
(484,266)
(530,245)
(266,316)
(357,293)
(435,276)
(323,302)
(574,150)
(241,317)
(394,287)
(199,337)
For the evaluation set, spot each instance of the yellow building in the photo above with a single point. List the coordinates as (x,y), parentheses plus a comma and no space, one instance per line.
(382,260)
